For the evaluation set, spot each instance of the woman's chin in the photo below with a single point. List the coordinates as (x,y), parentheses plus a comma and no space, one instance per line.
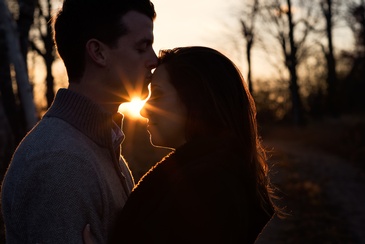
(158,144)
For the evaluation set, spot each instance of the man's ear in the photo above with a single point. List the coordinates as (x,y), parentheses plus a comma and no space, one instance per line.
(96,50)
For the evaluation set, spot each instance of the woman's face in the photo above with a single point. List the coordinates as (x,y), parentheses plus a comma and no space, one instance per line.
(165,112)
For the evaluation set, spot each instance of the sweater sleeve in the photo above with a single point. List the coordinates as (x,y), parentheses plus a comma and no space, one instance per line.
(55,200)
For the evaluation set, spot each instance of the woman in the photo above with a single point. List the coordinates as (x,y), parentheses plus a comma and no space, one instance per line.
(214,187)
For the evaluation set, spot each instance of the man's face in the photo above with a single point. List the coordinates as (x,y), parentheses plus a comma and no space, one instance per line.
(133,58)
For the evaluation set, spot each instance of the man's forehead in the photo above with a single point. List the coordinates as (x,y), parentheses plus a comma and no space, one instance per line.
(138,24)
(134,18)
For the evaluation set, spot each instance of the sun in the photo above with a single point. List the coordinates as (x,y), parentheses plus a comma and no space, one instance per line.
(132,108)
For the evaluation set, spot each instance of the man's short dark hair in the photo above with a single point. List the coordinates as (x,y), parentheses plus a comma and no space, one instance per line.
(80,20)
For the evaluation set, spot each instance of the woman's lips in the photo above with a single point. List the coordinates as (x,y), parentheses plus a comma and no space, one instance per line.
(150,123)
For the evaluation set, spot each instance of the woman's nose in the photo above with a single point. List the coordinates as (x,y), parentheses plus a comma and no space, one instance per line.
(143,112)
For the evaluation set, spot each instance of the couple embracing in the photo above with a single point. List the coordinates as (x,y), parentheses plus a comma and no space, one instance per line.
(68,183)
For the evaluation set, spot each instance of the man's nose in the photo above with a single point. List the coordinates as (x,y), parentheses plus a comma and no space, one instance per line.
(152,61)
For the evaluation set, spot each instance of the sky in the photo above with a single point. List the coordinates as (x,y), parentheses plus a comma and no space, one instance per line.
(181,23)
(215,23)
(189,22)
(210,23)
(194,22)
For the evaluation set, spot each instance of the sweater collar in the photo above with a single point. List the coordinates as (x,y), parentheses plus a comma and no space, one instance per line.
(83,114)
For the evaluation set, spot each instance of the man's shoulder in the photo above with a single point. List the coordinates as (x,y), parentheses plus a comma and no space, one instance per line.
(53,143)
(52,134)
(53,126)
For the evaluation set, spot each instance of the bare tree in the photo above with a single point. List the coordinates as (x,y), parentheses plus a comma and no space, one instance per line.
(354,85)
(18,61)
(291,34)
(327,11)
(42,43)
(7,95)
(248,19)
(356,21)
(24,22)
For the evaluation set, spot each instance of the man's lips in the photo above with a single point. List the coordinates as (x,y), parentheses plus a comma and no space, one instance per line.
(148,78)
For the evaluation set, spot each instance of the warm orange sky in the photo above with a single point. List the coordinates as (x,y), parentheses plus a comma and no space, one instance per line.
(197,22)
(215,23)
(178,23)
(189,22)
(209,23)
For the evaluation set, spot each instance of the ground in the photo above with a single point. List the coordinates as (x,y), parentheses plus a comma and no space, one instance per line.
(319,172)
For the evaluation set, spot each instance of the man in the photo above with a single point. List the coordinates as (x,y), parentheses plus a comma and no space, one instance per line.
(67,171)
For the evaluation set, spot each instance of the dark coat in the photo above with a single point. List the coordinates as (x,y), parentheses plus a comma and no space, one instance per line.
(201,193)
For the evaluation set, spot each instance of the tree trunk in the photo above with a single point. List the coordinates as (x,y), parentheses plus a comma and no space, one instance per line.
(9,101)
(249,78)
(292,62)
(16,58)
(24,22)
(48,52)
(331,62)
(248,31)
(49,58)
(50,84)
(7,144)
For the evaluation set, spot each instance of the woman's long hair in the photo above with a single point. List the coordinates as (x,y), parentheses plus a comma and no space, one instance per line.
(218,101)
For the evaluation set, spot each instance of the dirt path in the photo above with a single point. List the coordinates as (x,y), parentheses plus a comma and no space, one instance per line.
(324,195)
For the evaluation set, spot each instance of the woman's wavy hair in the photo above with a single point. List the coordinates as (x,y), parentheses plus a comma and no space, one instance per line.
(218,102)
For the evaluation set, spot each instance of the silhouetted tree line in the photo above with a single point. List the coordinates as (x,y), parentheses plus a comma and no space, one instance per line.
(297,33)
(353,83)
(294,32)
